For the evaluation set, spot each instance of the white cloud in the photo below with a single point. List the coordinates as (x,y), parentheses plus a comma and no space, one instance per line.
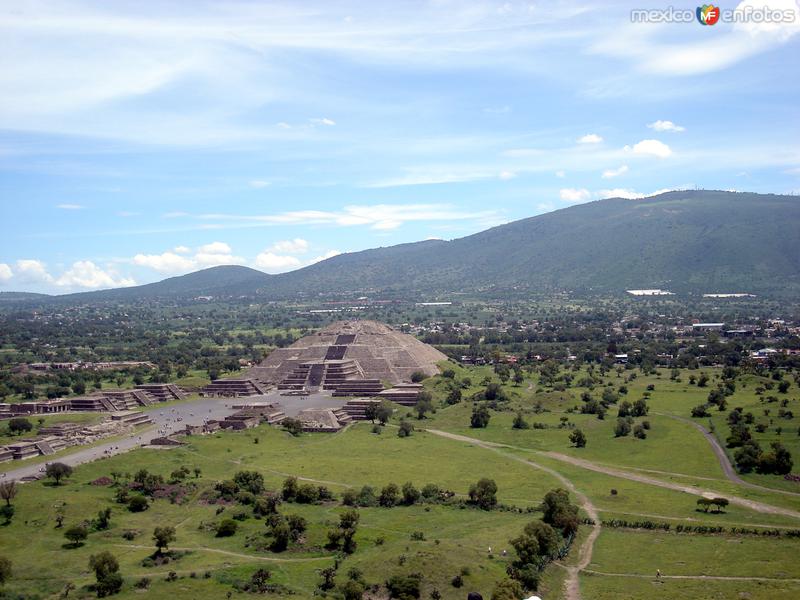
(259,183)
(610,173)
(628,193)
(5,272)
(70,206)
(561,174)
(665,126)
(167,263)
(181,249)
(376,216)
(506,175)
(33,271)
(574,195)
(323,121)
(295,246)
(650,148)
(215,248)
(329,254)
(590,138)
(277,263)
(86,274)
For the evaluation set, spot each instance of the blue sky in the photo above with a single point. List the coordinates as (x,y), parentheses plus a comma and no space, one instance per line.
(140,140)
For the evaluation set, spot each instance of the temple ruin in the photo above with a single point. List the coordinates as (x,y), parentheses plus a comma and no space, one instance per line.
(349,358)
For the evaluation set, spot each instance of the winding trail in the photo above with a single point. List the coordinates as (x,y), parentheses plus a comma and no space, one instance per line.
(722,456)
(689,489)
(229,553)
(709,577)
(572,583)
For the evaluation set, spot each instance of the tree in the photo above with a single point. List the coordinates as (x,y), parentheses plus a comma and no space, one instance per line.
(559,512)
(5,570)
(293,426)
(371,411)
(259,581)
(639,408)
(8,491)
(538,540)
(7,512)
(480,417)
(519,422)
(639,432)
(483,493)
(252,481)
(352,590)
(289,491)
(163,536)
(384,412)
(508,589)
(423,405)
(454,397)
(578,438)
(410,494)
(103,519)
(76,535)
(19,425)
(227,527)
(406,429)
(106,571)
(281,536)
(58,471)
(197,472)
(389,495)
(747,456)
(622,428)
(138,503)
(418,376)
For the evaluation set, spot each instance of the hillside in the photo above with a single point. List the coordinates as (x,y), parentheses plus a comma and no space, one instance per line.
(227,280)
(685,241)
(699,241)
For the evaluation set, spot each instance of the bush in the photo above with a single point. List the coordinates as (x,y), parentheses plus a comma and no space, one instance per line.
(622,428)
(405,429)
(226,528)
(404,586)
(389,496)
(138,503)
(480,417)
(639,432)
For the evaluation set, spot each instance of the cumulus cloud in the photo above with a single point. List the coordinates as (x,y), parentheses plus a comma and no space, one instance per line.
(181,249)
(69,206)
(650,148)
(376,216)
(665,126)
(330,254)
(590,138)
(628,193)
(323,121)
(277,263)
(33,271)
(168,263)
(574,195)
(86,274)
(610,173)
(295,246)
(5,272)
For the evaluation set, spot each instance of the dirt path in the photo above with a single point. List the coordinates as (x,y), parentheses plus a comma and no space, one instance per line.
(723,459)
(572,583)
(229,553)
(689,489)
(709,577)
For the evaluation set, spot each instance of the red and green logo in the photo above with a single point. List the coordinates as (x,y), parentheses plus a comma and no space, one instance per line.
(708,14)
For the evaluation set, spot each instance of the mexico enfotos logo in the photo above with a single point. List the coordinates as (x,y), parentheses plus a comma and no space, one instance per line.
(710,14)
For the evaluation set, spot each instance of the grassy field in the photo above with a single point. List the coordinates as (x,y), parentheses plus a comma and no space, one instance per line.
(449,540)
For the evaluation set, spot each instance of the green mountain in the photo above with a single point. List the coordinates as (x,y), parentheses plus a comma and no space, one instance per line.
(684,241)
(699,241)
(228,280)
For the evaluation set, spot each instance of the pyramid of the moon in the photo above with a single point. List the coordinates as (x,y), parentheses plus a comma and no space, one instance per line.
(346,355)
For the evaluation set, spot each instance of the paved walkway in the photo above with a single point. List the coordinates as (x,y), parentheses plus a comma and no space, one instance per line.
(166,421)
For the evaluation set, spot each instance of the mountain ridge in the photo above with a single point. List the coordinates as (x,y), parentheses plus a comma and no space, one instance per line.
(685,241)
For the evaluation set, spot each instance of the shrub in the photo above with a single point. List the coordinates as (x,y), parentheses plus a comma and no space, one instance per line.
(138,503)
(226,528)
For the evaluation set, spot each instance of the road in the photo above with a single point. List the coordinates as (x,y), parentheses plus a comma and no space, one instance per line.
(165,419)
(722,457)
